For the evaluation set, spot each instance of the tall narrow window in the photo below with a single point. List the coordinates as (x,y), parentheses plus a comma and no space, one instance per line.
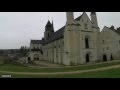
(87,43)
(111,57)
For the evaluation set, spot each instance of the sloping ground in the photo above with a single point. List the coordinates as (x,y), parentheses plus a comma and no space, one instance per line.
(103,69)
(20,70)
(58,73)
(44,64)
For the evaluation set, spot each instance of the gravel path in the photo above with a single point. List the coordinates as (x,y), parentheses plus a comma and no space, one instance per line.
(58,73)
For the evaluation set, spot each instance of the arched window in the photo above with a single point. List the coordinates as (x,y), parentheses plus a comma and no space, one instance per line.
(86,43)
(36,57)
(104,58)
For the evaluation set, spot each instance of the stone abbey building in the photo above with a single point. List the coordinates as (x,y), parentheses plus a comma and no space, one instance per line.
(78,42)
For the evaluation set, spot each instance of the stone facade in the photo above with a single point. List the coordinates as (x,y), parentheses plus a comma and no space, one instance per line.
(109,44)
(78,42)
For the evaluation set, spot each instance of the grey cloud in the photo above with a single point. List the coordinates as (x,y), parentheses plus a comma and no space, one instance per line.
(17,28)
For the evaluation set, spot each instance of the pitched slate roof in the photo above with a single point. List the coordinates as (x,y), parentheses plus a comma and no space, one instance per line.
(114,30)
(58,34)
(37,41)
(117,31)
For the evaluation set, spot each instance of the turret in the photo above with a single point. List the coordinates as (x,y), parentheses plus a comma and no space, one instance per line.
(70,17)
(94,18)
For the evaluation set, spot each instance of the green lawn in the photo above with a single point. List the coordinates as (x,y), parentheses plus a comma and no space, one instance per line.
(112,73)
(99,74)
(18,68)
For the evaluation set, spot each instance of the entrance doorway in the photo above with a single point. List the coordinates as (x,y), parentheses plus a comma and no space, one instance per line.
(104,58)
(87,58)
(29,58)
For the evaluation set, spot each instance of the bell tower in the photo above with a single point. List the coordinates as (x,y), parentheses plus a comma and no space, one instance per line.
(49,30)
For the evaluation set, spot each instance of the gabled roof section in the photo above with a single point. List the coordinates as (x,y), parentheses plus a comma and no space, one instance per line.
(57,35)
(117,31)
(78,18)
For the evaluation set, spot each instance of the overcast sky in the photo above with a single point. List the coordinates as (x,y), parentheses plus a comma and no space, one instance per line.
(18,28)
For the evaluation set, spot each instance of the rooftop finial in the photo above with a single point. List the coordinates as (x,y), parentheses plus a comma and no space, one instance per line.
(52,20)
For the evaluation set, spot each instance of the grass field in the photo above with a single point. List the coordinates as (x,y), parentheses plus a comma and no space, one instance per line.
(111,73)
(19,68)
